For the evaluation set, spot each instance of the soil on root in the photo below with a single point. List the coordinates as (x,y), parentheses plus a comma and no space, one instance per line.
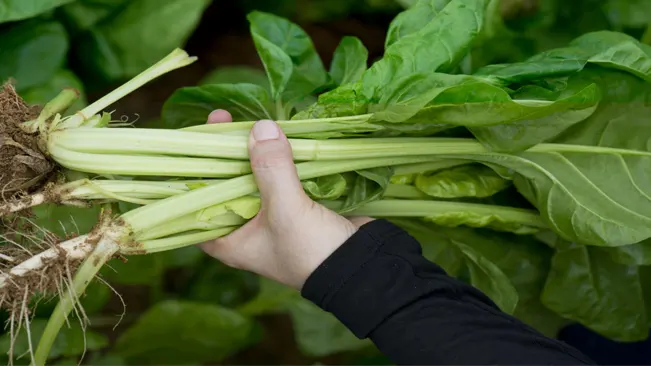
(22,164)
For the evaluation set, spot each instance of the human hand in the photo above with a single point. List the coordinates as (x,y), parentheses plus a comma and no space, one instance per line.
(291,235)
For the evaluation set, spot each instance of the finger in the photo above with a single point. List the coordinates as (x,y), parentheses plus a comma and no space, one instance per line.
(219,116)
(273,166)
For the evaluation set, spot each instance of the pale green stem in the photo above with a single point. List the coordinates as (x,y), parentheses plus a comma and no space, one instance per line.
(438,164)
(137,165)
(176,59)
(404,191)
(59,104)
(180,241)
(104,250)
(189,223)
(413,208)
(152,215)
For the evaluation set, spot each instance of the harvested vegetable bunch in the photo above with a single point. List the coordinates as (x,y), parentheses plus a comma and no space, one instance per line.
(519,148)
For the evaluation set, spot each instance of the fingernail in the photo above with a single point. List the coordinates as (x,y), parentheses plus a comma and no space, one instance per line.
(265,130)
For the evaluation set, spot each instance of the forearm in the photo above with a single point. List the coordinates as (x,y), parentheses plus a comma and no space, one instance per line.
(381,287)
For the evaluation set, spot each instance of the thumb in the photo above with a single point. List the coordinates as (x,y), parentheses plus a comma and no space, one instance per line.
(273,166)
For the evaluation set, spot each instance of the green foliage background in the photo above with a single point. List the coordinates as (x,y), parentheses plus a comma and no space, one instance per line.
(185,308)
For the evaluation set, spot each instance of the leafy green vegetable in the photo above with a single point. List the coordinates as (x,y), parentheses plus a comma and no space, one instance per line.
(463,181)
(349,61)
(191,106)
(366,186)
(236,75)
(32,53)
(329,187)
(585,285)
(185,333)
(638,254)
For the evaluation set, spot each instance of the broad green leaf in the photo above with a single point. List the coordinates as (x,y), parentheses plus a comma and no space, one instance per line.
(12,10)
(638,254)
(319,333)
(366,186)
(329,187)
(464,181)
(145,270)
(272,297)
(83,14)
(489,279)
(139,35)
(191,106)
(403,179)
(628,13)
(585,285)
(43,93)
(343,101)
(438,46)
(413,19)
(497,220)
(182,333)
(349,61)
(236,75)
(66,221)
(71,341)
(216,283)
(277,37)
(32,53)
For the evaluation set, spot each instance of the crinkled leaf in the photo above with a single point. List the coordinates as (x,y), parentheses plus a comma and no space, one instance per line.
(12,10)
(32,53)
(43,93)
(494,221)
(438,46)
(345,100)
(246,207)
(349,61)
(236,75)
(329,187)
(413,19)
(366,186)
(180,332)
(403,179)
(69,342)
(191,106)
(139,35)
(585,285)
(464,181)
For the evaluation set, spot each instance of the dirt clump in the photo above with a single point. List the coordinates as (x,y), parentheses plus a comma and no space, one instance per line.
(22,164)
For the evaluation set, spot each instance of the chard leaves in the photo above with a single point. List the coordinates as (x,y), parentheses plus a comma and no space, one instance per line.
(586,285)
(329,187)
(349,61)
(366,186)
(464,181)
(413,19)
(12,10)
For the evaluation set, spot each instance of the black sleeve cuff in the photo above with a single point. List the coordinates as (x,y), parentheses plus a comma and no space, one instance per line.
(362,282)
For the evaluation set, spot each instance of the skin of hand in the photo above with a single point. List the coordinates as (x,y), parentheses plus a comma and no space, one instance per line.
(291,235)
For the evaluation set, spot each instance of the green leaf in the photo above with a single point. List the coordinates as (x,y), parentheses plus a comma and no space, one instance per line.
(366,186)
(43,93)
(291,61)
(585,285)
(236,75)
(413,19)
(191,106)
(216,283)
(495,221)
(463,181)
(329,187)
(349,61)
(83,14)
(12,10)
(65,221)
(638,254)
(628,13)
(182,333)
(438,46)
(32,53)
(71,341)
(272,297)
(139,35)
(343,101)
(146,270)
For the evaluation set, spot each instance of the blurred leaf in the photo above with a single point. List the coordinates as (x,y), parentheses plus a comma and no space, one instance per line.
(272,297)
(69,342)
(182,333)
(628,13)
(83,14)
(12,10)
(191,106)
(216,283)
(66,220)
(32,53)
(236,75)
(123,45)
(412,20)
(145,269)
(366,186)
(43,93)
(349,61)
(345,100)
(329,187)
(585,285)
(182,257)
(320,333)
(464,181)
(638,254)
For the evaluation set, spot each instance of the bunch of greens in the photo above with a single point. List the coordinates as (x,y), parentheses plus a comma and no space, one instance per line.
(525,179)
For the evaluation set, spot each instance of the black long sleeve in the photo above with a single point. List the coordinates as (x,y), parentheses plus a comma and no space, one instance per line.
(381,287)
